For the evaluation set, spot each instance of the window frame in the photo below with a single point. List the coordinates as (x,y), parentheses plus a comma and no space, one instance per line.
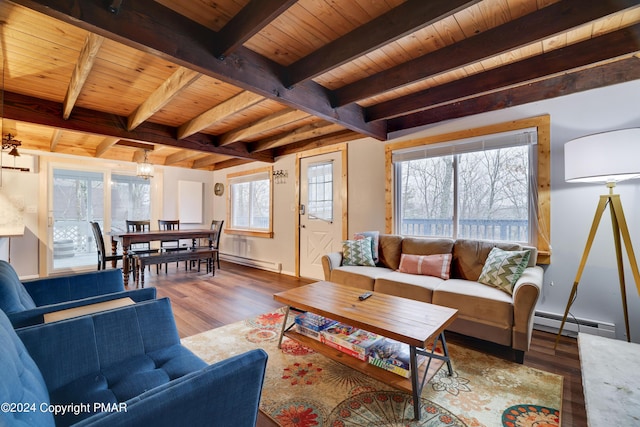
(541,197)
(245,176)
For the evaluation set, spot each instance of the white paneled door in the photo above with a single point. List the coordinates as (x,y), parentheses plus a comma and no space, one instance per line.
(320,211)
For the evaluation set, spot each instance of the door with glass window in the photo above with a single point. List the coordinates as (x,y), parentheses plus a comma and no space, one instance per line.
(320,211)
(79,197)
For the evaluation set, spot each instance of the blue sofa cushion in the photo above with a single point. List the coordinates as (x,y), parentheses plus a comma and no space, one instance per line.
(21,381)
(89,368)
(13,296)
(53,290)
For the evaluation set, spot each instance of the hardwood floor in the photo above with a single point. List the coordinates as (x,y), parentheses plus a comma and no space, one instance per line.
(201,302)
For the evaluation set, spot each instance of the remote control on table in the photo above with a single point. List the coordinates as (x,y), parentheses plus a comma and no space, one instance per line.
(364,296)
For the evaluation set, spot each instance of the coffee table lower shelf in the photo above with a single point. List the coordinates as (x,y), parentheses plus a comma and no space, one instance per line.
(389,378)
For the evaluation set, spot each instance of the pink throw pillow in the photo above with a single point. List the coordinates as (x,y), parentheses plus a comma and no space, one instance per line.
(426,265)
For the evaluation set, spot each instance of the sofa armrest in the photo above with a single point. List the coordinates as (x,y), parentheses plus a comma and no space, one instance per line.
(53,290)
(226,394)
(525,297)
(35,316)
(329,262)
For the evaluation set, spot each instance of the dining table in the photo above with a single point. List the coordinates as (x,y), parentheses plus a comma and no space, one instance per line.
(128,238)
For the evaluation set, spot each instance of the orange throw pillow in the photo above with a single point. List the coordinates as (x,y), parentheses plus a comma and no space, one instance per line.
(426,265)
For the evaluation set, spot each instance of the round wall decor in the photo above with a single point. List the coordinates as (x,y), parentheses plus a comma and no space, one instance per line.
(218,189)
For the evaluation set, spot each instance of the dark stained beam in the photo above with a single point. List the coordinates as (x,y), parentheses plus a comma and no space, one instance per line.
(598,49)
(317,142)
(250,20)
(148,26)
(565,84)
(544,23)
(400,21)
(48,113)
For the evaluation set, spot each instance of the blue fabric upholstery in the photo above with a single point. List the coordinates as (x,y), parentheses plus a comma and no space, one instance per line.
(25,303)
(131,356)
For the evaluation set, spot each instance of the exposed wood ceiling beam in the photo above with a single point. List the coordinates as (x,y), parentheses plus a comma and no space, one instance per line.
(228,164)
(180,156)
(564,84)
(281,118)
(151,27)
(397,23)
(542,24)
(249,21)
(55,137)
(137,145)
(171,87)
(318,142)
(48,113)
(234,105)
(311,130)
(616,44)
(81,72)
(105,145)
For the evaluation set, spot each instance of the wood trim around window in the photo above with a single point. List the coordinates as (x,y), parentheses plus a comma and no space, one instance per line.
(244,232)
(543,126)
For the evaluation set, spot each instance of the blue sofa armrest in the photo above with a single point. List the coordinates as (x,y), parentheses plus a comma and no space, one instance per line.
(35,316)
(53,290)
(225,394)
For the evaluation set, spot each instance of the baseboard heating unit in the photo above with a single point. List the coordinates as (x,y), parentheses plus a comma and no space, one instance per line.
(255,263)
(550,322)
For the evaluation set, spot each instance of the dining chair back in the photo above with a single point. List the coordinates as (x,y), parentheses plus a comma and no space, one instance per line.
(170,245)
(216,225)
(103,255)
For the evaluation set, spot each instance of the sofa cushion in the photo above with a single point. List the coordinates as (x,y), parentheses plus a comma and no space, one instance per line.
(358,276)
(390,250)
(476,301)
(375,242)
(357,252)
(13,296)
(469,256)
(426,246)
(503,269)
(427,265)
(412,286)
(21,381)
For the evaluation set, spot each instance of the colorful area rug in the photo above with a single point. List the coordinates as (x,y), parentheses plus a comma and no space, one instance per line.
(303,388)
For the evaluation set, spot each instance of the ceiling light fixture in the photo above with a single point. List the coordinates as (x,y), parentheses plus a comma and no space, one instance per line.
(145,169)
(8,142)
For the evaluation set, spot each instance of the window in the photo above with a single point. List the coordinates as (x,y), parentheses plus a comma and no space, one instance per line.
(320,191)
(130,200)
(490,184)
(250,202)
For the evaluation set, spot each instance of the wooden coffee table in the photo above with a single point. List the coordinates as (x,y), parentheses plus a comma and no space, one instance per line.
(415,323)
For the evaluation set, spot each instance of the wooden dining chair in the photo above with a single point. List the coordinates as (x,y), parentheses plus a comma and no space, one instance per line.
(103,255)
(136,226)
(171,245)
(214,242)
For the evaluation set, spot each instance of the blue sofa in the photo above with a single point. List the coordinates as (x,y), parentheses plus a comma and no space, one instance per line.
(25,303)
(122,367)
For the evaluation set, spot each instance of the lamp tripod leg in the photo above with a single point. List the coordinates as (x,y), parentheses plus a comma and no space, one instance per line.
(620,229)
(602,205)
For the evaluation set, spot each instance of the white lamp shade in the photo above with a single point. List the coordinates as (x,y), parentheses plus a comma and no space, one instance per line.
(603,157)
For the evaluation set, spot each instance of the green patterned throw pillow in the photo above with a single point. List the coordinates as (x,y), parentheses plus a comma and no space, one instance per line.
(357,252)
(502,269)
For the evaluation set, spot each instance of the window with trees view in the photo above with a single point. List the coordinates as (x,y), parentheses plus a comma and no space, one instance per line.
(478,188)
(250,206)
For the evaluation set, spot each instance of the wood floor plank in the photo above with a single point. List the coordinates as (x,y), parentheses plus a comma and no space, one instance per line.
(201,302)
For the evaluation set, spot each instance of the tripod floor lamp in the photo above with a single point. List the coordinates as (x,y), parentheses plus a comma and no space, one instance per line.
(607,157)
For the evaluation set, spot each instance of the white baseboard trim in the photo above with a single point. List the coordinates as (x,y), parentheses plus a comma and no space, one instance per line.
(550,322)
(249,262)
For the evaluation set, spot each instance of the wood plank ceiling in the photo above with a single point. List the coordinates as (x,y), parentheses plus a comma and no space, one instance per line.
(208,85)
